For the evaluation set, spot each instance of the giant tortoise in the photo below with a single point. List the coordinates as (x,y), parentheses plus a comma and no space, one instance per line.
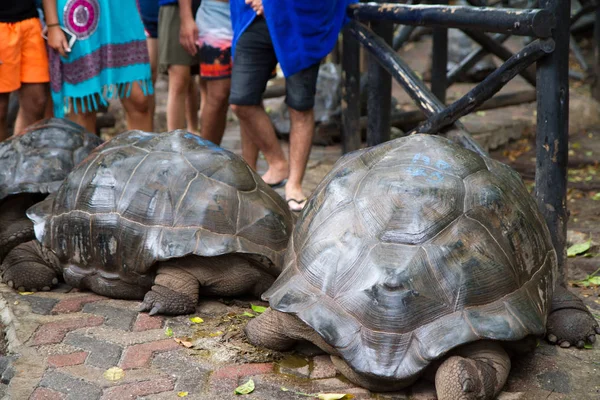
(417,253)
(161,217)
(33,164)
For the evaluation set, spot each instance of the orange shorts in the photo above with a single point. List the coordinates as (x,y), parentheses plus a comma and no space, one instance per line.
(23,57)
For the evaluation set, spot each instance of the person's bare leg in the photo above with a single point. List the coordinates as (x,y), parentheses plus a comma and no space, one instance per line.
(152,44)
(137,109)
(86,119)
(214,113)
(249,149)
(179,80)
(301,134)
(256,124)
(3,115)
(32,104)
(192,105)
(203,94)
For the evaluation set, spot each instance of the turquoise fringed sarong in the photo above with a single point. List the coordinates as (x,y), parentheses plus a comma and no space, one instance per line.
(110,54)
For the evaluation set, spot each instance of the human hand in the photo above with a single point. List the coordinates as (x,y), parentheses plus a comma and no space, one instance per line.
(256,5)
(188,35)
(57,40)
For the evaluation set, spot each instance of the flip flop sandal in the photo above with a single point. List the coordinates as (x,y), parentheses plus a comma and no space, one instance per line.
(279,184)
(301,203)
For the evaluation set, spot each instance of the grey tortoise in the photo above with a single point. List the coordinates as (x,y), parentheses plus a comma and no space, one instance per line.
(33,164)
(416,258)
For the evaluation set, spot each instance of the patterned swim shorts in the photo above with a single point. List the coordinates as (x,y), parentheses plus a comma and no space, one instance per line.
(214,39)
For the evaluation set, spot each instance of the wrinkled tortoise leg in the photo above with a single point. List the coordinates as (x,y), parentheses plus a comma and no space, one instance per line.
(15,227)
(476,371)
(370,383)
(30,267)
(281,331)
(179,283)
(570,322)
(175,291)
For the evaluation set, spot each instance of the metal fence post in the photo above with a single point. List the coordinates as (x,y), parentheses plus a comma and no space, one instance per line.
(439,61)
(379,91)
(351,135)
(552,131)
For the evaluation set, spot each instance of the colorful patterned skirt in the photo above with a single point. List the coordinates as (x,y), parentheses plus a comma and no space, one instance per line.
(109,55)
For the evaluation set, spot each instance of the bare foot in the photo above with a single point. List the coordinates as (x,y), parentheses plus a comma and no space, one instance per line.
(276,174)
(295,197)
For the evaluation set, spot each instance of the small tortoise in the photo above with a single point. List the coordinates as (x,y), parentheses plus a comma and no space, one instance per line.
(420,254)
(161,217)
(33,164)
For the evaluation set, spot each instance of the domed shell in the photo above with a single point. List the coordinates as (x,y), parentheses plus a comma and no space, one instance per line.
(39,159)
(411,248)
(147,197)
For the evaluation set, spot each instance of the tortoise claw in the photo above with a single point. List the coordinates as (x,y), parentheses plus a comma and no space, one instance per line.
(156,309)
(564,344)
(580,344)
(144,307)
(552,338)
(592,339)
(597,329)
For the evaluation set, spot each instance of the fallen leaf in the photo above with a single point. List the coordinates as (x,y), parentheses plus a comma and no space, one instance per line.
(579,248)
(114,374)
(588,346)
(246,388)
(182,394)
(596,196)
(26,293)
(334,396)
(576,145)
(184,343)
(479,114)
(169,331)
(214,334)
(196,320)
(16,302)
(589,153)
(247,314)
(285,389)
(258,309)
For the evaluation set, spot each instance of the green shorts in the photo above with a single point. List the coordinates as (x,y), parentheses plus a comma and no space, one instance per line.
(170,51)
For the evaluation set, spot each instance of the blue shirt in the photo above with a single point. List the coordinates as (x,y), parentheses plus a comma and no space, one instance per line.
(303,31)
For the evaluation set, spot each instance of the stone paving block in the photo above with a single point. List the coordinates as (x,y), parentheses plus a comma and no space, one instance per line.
(323,368)
(54,332)
(46,394)
(113,317)
(133,390)
(75,389)
(139,355)
(40,305)
(64,360)
(144,322)
(242,370)
(75,304)
(191,375)
(102,354)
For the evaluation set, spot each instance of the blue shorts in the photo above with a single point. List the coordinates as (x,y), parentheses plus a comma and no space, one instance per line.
(149,13)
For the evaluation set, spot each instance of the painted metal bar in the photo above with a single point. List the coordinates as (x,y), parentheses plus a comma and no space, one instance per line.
(406,77)
(379,90)
(488,87)
(351,135)
(471,60)
(500,51)
(439,61)
(552,138)
(536,22)
(578,55)
(402,36)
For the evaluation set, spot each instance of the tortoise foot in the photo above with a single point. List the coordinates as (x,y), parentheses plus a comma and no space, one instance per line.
(570,323)
(572,327)
(25,270)
(162,300)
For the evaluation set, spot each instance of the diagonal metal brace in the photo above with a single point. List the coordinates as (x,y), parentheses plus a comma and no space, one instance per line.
(406,77)
(489,86)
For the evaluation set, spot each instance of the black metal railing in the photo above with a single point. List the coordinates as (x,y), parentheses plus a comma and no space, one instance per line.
(548,25)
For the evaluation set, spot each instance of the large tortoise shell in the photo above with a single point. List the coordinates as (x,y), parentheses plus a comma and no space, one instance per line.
(39,159)
(146,197)
(411,248)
